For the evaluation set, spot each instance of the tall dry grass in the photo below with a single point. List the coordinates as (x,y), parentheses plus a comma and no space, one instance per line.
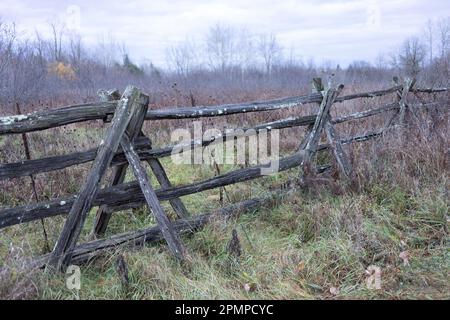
(410,158)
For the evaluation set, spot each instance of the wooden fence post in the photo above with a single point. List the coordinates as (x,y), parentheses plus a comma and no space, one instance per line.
(407,86)
(164,223)
(340,155)
(33,182)
(322,117)
(324,122)
(161,175)
(62,253)
(126,131)
(104,213)
(133,131)
(402,96)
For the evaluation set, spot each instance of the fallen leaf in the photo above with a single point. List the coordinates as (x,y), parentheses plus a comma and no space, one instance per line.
(373,280)
(334,291)
(213,197)
(300,266)
(404,255)
(248,287)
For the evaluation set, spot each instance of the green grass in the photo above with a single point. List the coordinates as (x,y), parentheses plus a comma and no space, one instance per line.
(297,250)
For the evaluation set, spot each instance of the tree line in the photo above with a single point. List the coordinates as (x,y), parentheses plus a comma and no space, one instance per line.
(41,69)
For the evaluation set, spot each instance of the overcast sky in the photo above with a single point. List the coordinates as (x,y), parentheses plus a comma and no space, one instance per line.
(337,30)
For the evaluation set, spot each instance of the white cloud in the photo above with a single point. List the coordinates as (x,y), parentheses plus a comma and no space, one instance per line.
(339,30)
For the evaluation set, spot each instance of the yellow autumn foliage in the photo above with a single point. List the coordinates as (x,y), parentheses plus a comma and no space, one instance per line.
(62,70)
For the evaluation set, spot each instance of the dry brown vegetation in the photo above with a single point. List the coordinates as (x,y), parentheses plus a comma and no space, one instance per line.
(317,243)
(321,238)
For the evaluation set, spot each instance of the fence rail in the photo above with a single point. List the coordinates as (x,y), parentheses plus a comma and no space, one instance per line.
(145,151)
(104,110)
(128,146)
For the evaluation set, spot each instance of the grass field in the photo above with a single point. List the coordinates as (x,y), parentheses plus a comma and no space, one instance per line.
(319,243)
(302,248)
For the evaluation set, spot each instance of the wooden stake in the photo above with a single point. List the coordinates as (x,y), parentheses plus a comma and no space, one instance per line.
(62,253)
(153,203)
(341,157)
(313,139)
(407,86)
(323,121)
(33,183)
(161,175)
(134,130)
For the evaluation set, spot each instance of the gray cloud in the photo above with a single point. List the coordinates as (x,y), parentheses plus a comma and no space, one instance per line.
(335,30)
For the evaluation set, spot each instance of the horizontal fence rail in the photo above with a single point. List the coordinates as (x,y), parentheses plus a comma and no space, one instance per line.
(136,147)
(89,250)
(48,164)
(128,196)
(103,110)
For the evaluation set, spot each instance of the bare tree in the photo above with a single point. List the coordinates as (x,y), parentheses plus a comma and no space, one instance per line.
(412,55)
(58,31)
(182,57)
(428,32)
(443,27)
(24,75)
(7,43)
(41,47)
(443,63)
(108,51)
(269,50)
(7,39)
(220,45)
(244,51)
(75,49)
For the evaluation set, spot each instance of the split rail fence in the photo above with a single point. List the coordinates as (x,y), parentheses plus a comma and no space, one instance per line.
(125,146)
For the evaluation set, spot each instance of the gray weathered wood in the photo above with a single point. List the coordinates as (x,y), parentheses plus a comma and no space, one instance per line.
(47,164)
(367,113)
(128,195)
(429,90)
(402,95)
(89,250)
(306,137)
(61,254)
(334,141)
(198,112)
(33,182)
(55,118)
(317,85)
(143,146)
(341,157)
(165,183)
(329,97)
(92,111)
(103,214)
(133,130)
(152,200)
(407,85)
(108,95)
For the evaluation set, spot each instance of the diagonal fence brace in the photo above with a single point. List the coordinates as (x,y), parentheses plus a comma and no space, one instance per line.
(104,213)
(324,124)
(68,238)
(125,127)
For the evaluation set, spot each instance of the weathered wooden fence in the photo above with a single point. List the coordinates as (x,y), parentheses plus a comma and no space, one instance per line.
(125,145)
